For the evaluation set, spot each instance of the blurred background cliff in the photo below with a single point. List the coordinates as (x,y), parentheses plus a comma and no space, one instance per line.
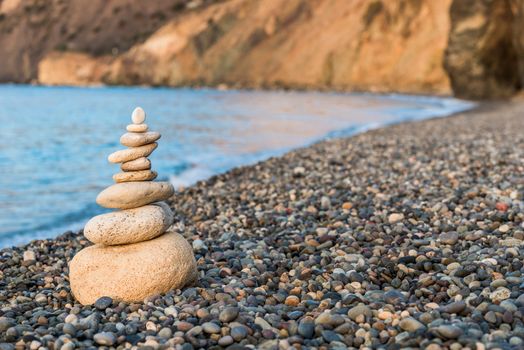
(468,48)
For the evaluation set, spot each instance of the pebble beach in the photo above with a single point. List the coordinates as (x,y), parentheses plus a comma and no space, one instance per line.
(409,236)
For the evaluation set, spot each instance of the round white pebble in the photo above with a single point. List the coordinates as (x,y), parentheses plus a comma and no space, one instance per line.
(138,115)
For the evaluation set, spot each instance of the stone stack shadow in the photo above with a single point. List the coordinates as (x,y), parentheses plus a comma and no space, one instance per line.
(134,255)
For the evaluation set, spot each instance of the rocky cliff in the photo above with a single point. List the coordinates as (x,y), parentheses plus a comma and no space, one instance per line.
(30,29)
(474,47)
(333,44)
(482,57)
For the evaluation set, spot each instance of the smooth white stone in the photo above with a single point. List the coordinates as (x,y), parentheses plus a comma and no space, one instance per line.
(138,116)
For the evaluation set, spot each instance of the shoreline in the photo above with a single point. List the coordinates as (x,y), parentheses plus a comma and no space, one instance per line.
(249,88)
(401,107)
(405,235)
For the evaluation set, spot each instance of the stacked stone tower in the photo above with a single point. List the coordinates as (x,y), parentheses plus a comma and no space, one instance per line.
(133,256)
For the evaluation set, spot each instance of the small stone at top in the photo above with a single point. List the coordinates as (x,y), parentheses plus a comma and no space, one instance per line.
(138,116)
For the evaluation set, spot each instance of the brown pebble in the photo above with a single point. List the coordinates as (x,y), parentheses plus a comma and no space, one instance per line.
(201,313)
(42,321)
(379,325)
(184,326)
(347,205)
(292,300)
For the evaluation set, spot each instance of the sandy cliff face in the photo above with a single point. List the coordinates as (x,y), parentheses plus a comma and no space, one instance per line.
(336,44)
(356,45)
(474,47)
(73,68)
(30,29)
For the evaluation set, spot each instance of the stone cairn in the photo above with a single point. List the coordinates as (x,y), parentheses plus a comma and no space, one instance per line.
(133,256)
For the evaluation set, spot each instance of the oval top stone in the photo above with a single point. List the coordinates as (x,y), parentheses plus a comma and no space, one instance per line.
(138,116)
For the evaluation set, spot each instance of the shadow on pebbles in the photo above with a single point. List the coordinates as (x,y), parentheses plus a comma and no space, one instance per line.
(407,236)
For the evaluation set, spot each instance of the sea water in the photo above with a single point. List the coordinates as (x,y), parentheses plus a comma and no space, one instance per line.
(54,141)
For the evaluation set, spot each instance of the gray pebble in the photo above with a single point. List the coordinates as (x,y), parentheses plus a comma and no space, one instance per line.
(165,333)
(5,323)
(490,317)
(330,336)
(225,340)
(449,237)
(228,314)
(105,338)
(354,312)
(409,324)
(448,331)
(306,329)
(238,333)
(68,346)
(394,297)
(211,327)
(454,307)
(69,329)
(103,303)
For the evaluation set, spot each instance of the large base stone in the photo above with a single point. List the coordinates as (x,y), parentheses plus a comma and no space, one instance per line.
(130,225)
(132,272)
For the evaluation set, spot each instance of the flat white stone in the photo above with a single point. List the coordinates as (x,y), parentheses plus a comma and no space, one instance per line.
(129,176)
(141,163)
(132,272)
(129,225)
(137,128)
(126,155)
(128,195)
(134,139)
(138,116)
